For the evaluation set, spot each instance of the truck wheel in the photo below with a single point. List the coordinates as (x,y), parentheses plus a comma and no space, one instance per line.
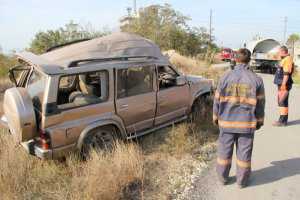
(99,139)
(202,109)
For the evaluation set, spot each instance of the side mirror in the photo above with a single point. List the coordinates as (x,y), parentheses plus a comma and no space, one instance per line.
(180,80)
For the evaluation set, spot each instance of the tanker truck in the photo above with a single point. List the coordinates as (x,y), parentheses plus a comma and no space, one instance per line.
(264,55)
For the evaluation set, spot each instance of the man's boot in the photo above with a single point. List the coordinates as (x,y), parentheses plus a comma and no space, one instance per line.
(282,121)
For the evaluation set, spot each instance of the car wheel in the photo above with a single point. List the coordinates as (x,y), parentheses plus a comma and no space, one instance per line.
(99,139)
(202,109)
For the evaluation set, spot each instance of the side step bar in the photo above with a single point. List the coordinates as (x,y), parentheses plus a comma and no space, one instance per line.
(136,135)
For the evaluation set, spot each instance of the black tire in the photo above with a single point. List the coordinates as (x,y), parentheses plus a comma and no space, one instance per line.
(99,139)
(202,109)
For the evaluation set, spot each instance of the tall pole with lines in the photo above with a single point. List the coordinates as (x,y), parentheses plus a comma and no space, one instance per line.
(285,29)
(210,26)
(134,7)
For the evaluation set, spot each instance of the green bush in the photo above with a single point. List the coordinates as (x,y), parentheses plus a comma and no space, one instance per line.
(5,63)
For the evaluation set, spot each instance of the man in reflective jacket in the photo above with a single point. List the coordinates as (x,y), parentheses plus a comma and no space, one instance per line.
(283,80)
(238,111)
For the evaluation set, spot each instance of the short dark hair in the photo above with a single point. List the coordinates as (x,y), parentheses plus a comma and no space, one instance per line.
(244,55)
(284,48)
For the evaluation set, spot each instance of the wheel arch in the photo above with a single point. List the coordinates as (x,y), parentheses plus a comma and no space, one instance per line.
(201,94)
(119,127)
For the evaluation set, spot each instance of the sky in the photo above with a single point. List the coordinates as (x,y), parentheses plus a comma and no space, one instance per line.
(234,22)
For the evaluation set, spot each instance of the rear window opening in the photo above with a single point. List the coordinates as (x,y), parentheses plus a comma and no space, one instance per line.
(82,89)
(36,86)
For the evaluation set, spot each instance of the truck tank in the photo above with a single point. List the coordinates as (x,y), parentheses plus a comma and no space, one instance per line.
(264,54)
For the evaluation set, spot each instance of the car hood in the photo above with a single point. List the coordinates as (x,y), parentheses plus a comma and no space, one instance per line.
(195,79)
(199,85)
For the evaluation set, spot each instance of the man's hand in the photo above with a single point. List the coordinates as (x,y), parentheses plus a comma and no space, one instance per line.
(284,82)
(283,87)
(258,126)
(215,121)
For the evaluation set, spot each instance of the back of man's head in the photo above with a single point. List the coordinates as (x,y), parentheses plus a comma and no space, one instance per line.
(284,49)
(243,56)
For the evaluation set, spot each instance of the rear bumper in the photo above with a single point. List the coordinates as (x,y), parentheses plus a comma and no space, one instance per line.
(32,148)
(3,122)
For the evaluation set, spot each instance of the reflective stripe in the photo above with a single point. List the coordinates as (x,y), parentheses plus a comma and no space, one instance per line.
(242,100)
(260,97)
(224,162)
(284,110)
(237,124)
(243,164)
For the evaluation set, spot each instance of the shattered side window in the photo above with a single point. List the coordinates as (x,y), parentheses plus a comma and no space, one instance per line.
(82,89)
(134,81)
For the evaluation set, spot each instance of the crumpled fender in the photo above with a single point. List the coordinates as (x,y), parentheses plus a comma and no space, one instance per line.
(199,86)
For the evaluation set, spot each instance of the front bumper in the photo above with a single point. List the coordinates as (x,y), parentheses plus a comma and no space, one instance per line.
(32,148)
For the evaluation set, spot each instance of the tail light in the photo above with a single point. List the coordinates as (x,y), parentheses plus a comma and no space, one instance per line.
(45,140)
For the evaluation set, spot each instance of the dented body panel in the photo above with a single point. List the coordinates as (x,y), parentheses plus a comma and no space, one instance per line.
(151,97)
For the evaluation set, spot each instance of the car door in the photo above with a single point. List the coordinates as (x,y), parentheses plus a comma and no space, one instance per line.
(136,97)
(172,100)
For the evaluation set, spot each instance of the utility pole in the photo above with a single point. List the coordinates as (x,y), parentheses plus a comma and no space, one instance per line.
(134,7)
(285,29)
(210,26)
(129,11)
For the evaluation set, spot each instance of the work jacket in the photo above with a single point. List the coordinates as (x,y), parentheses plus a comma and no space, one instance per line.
(239,101)
(285,67)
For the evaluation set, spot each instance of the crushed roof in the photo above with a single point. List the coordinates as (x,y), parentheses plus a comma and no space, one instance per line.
(119,44)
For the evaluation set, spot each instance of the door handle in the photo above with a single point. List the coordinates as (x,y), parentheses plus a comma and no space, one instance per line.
(124,106)
(163,98)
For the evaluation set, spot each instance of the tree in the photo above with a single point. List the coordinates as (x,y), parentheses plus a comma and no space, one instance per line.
(44,40)
(168,28)
(292,41)
(6,62)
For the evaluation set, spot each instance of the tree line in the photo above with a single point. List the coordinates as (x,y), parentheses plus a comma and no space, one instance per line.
(164,25)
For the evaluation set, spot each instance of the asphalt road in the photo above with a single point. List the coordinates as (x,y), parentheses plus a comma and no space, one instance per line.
(275,162)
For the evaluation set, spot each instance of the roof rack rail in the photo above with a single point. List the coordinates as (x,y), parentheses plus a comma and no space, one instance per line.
(76,62)
(66,44)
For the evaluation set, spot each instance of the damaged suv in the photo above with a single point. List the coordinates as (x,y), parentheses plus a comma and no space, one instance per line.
(88,94)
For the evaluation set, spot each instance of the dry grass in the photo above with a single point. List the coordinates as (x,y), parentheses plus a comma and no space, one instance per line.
(4,84)
(173,156)
(161,166)
(189,65)
(6,62)
(296,77)
(105,176)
